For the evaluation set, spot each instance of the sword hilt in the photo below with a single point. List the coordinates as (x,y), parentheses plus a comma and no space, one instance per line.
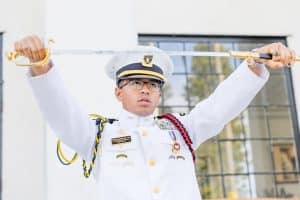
(249,54)
(13,55)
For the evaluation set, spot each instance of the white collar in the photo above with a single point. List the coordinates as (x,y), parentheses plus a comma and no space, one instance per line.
(129,120)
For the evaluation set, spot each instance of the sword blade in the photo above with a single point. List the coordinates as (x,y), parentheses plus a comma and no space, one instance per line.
(83,52)
(234,54)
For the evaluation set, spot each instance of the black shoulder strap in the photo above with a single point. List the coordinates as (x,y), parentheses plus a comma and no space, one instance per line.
(182,131)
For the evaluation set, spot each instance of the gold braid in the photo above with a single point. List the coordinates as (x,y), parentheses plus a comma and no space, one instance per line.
(100,121)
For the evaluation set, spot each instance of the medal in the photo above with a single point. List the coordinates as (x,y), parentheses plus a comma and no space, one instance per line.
(180,157)
(176,147)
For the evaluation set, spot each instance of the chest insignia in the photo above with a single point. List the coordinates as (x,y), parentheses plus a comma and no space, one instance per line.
(165,124)
(120,140)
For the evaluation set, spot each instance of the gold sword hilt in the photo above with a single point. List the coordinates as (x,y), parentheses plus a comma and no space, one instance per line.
(250,54)
(13,55)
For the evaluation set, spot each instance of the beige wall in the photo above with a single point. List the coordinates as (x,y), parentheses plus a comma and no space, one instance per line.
(30,166)
(228,17)
(23,150)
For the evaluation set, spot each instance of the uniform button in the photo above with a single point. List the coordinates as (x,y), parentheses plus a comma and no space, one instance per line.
(152,163)
(156,190)
(121,146)
(145,133)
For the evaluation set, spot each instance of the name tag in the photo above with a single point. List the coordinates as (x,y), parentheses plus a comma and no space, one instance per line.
(120,140)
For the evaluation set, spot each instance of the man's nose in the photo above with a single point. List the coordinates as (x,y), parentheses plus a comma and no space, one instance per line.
(145,88)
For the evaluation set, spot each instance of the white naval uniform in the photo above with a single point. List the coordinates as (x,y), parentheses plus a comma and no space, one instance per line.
(147,173)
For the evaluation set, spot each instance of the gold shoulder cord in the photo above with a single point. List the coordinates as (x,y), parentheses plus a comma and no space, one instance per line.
(100,121)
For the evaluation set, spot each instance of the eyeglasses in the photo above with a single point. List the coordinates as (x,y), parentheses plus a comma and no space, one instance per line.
(153,86)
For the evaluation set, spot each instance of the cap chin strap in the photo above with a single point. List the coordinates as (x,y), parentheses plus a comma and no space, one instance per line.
(141,72)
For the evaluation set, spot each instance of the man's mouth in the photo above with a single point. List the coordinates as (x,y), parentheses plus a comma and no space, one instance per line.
(144,100)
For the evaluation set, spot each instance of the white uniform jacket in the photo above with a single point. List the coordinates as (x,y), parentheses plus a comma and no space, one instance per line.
(147,173)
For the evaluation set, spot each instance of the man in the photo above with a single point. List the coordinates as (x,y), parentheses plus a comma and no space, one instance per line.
(141,157)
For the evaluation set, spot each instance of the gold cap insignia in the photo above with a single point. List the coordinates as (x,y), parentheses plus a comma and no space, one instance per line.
(147,61)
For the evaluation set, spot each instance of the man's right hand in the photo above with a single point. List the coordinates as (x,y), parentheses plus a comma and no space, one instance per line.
(33,48)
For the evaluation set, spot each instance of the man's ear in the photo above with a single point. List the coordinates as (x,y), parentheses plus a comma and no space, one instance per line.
(158,101)
(118,93)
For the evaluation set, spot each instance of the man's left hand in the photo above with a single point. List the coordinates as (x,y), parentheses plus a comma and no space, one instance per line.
(281,55)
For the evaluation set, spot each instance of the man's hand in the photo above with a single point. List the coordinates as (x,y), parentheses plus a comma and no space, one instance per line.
(282,56)
(33,48)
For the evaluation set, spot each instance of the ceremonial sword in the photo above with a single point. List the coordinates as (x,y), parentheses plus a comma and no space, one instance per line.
(13,55)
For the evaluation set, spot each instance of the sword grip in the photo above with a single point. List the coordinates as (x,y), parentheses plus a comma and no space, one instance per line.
(250,54)
(266,56)
(269,56)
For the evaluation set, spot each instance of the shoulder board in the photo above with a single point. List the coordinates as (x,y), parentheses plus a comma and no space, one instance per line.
(101,118)
(96,116)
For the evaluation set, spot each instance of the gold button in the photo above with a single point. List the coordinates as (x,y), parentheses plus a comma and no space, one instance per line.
(144,133)
(156,190)
(152,163)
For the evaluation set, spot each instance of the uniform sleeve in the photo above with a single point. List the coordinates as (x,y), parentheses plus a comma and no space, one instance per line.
(63,113)
(228,100)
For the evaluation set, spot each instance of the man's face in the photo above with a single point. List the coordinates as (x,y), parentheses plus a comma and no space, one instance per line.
(139,96)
